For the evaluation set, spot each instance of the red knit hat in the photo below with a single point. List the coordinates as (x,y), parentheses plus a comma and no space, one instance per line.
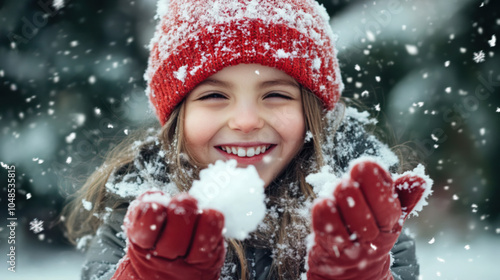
(195,39)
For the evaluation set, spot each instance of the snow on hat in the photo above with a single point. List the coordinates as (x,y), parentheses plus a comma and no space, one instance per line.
(195,39)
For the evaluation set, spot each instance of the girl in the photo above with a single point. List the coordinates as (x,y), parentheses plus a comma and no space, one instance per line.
(256,81)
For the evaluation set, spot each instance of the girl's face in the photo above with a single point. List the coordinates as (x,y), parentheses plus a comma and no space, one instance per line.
(248,112)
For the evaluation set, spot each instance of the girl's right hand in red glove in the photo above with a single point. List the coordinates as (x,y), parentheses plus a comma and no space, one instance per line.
(172,239)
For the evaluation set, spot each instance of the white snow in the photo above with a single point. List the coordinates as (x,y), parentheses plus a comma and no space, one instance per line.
(83,241)
(282,54)
(351,202)
(316,63)
(126,188)
(181,73)
(450,258)
(309,136)
(238,193)
(70,138)
(324,182)
(478,57)
(411,49)
(58,4)
(492,42)
(87,205)
(363,116)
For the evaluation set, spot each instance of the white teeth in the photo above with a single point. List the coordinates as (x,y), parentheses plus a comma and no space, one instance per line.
(241,152)
(250,152)
(244,152)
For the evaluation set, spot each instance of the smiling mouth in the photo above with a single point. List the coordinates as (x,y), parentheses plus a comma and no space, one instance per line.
(245,152)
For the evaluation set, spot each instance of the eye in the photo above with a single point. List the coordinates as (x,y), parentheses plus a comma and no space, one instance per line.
(277,95)
(212,95)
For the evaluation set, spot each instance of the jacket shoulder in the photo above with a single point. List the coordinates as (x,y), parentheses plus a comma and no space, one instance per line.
(347,138)
(147,171)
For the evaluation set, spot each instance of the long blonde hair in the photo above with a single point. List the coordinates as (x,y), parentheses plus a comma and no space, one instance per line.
(287,192)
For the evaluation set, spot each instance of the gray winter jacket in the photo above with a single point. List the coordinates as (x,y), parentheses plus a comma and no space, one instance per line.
(107,247)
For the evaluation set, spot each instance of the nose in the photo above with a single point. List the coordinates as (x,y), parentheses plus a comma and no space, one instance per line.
(246,118)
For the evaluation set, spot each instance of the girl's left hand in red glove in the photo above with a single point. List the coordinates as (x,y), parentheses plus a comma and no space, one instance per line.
(354,232)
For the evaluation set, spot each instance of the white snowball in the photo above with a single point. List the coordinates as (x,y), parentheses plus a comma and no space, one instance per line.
(238,193)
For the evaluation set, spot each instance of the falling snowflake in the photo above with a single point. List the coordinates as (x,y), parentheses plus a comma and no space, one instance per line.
(492,42)
(412,49)
(479,57)
(36,226)
(58,4)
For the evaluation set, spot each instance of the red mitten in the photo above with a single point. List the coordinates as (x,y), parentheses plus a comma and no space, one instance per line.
(171,240)
(355,231)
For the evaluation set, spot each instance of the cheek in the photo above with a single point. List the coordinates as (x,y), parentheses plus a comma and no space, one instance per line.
(198,130)
(290,124)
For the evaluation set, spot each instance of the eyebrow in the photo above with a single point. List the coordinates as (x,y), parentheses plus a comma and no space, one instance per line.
(215,82)
(265,84)
(279,82)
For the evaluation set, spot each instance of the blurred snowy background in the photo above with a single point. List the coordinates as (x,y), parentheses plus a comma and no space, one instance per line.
(71,87)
